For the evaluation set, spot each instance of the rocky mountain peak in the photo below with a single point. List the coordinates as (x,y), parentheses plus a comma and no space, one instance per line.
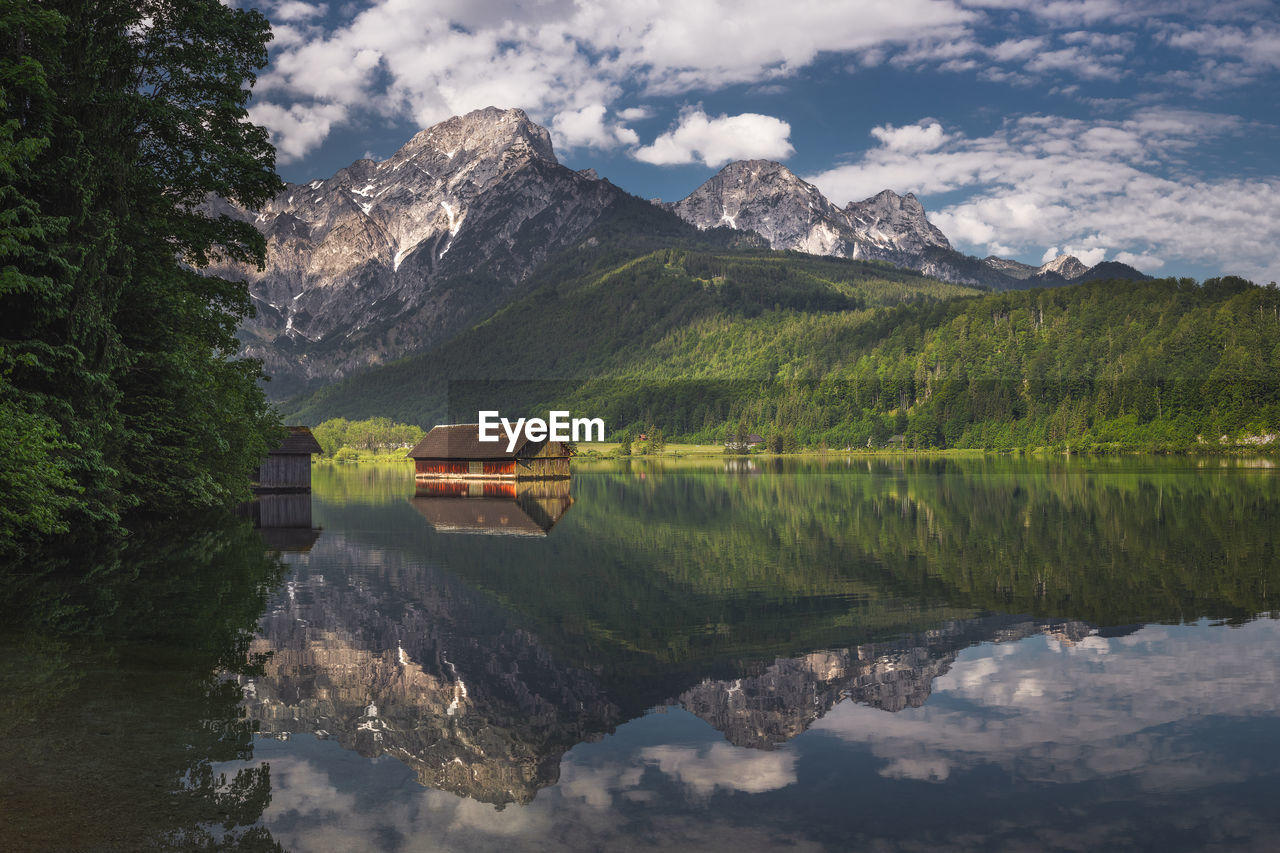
(1067,266)
(770,199)
(370,247)
(483,132)
(1013,269)
(896,221)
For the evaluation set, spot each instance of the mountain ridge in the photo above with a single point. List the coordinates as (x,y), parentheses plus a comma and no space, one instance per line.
(384,259)
(766,197)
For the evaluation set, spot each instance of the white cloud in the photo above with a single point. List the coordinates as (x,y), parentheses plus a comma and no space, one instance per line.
(400,58)
(1101,187)
(1146,261)
(1091,256)
(1258,45)
(586,128)
(295,10)
(298,128)
(428,61)
(724,767)
(635,113)
(716,141)
(911,137)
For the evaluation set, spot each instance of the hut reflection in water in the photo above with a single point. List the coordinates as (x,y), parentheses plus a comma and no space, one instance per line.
(283,519)
(494,507)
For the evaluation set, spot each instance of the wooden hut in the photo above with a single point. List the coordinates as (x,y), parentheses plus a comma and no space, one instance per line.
(455,452)
(288,467)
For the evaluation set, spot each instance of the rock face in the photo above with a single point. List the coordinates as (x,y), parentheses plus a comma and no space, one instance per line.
(766,197)
(385,258)
(1013,269)
(1067,266)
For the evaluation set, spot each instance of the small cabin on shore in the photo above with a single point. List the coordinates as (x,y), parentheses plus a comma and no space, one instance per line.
(455,452)
(288,467)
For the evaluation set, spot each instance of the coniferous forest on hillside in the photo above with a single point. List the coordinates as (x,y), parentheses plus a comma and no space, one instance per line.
(826,352)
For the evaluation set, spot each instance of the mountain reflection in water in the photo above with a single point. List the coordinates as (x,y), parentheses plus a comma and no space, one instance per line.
(834,654)
(809,633)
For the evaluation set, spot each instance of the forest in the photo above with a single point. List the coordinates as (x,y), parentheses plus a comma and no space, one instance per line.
(815,352)
(120,392)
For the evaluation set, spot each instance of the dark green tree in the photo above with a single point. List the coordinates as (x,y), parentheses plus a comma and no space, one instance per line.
(126,152)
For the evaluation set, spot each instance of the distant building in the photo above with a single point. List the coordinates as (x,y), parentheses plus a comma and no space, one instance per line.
(455,452)
(741,444)
(288,467)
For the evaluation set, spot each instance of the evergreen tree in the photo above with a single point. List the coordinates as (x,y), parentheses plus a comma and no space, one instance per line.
(121,121)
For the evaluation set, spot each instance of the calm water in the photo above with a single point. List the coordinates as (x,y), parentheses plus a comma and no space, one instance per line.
(959,654)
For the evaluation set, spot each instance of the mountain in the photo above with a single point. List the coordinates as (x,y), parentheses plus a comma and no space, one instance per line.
(1013,269)
(790,213)
(383,260)
(767,198)
(386,258)
(604,307)
(834,353)
(1111,270)
(1068,267)
(1061,270)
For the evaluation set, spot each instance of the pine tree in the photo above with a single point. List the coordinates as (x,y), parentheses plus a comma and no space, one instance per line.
(121,121)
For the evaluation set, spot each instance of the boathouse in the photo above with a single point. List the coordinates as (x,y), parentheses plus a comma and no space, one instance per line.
(455,452)
(288,467)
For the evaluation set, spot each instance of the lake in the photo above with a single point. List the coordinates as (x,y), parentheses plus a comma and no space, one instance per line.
(739,653)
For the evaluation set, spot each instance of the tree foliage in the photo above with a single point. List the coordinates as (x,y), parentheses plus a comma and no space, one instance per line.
(120,120)
(372,435)
(706,345)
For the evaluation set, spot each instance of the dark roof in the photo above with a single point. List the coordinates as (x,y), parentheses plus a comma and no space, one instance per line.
(462,441)
(300,440)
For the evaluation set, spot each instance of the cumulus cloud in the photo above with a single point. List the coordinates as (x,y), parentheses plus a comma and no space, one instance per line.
(911,137)
(1101,187)
(300,127)
(295,10)
(1052,710)
(405,59)
(587,128)
(715,141)
(724,767)
(401,58)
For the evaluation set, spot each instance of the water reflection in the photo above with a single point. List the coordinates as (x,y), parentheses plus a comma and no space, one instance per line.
(1159,740)
(117,706)
(283,520)
(965,654)
(494,507)
(876,624)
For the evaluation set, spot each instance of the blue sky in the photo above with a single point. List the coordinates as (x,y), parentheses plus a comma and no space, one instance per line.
(1145,131)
